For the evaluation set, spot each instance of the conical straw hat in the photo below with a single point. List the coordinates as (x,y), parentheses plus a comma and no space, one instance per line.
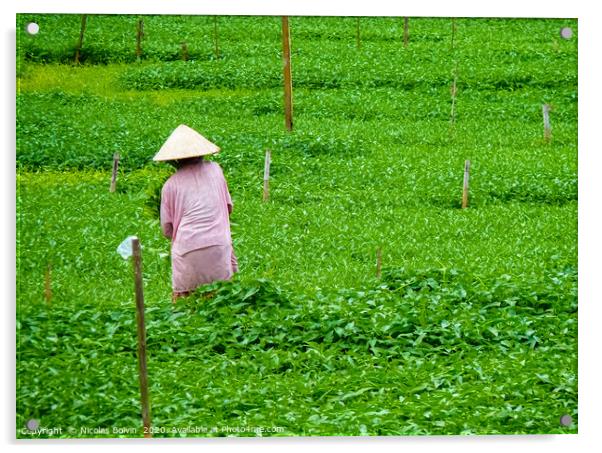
(183,143)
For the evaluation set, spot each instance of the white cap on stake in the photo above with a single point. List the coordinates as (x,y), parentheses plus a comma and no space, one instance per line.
(125,248)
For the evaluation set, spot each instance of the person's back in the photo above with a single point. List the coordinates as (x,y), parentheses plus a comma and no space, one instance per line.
(195,207)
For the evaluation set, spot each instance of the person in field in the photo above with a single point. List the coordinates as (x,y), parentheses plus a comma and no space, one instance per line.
(195,213)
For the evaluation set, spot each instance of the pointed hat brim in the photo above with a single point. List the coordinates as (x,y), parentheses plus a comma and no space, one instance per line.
(185,142)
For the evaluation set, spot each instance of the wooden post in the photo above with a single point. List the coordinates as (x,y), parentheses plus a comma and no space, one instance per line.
(455,81)
(48,284)
(139,36)
(465,189)
(114,176)
(184,51)
(454,89)
(142,369)
(81,39)
(379,260)
(216,37)
(357,34)
(547,129)
(266,175)
(288,83)
(406,32)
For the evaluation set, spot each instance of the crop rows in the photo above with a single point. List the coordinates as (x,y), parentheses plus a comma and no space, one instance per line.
(306,337)
(469,335)
(112,39)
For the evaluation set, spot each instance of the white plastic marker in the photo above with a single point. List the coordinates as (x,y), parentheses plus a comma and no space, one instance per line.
(266,175)
(131,247)
(125,248)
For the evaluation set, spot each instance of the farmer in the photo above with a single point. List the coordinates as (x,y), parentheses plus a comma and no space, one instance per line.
(195,210)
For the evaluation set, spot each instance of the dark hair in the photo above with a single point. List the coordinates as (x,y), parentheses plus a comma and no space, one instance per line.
(183,162)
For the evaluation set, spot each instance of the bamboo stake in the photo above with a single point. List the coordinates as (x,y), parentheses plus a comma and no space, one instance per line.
(114,176)
(48,284)
(142,368)
(454,89)
(81,38)
(379,260)
(266,175)
(139,36)
(184,51)
(216,37)
(465,188)
(406,31)
(288,83)
(547,129)
(357,34)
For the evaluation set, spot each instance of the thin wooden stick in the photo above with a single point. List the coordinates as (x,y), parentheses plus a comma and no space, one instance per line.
(184,51)
(48,284)
(81,39)
(139,36)
(216,37)
(266,175)
(454,89)
(142,368)
(406,31)
(465,188)
(379,259)
(288,82)
(114,176)
(357,34)
(547,129)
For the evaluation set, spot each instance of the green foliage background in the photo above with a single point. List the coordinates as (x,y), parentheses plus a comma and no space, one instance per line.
(471,329)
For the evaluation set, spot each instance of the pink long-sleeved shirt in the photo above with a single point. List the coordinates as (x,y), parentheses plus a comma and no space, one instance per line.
(195,208)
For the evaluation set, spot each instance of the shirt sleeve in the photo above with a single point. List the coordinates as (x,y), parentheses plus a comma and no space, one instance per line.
(167,212)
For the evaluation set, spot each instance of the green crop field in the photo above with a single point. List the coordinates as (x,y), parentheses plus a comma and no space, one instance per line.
(470,329)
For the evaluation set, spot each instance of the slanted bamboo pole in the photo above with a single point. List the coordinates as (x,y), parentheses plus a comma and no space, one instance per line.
(288,81)
(141,329)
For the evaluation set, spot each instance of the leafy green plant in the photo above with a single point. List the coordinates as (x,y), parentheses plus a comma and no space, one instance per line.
(278,339)
(472,326)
